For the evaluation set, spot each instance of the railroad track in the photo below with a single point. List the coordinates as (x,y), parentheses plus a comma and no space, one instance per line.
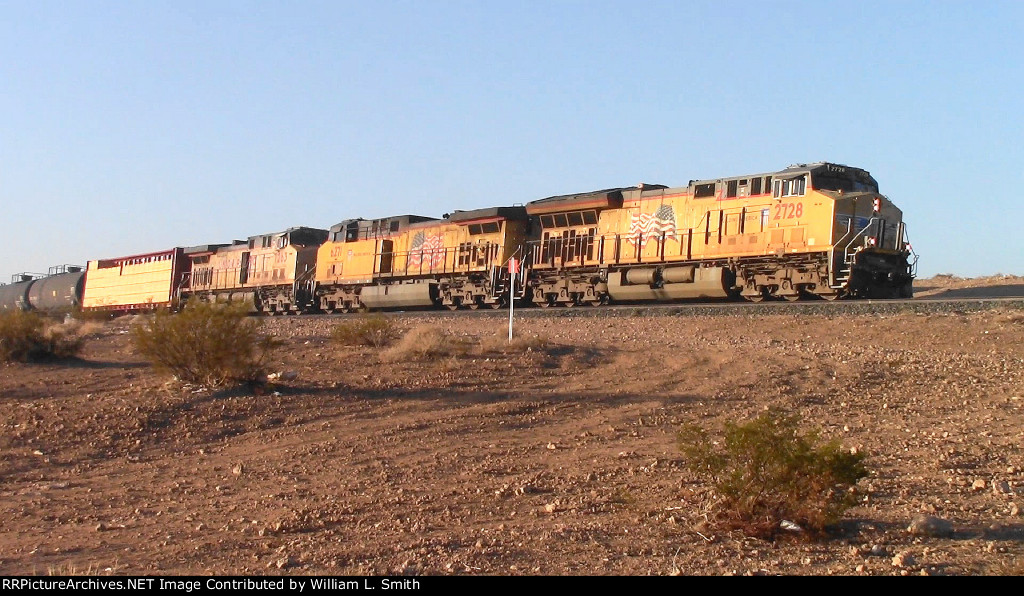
(737,308)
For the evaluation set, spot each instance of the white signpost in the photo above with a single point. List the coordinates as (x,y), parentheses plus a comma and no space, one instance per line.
(513,268)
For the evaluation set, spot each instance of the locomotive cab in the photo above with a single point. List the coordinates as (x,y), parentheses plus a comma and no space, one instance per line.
(869,253)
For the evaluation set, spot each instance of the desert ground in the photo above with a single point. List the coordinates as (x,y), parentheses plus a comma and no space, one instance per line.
(555,456)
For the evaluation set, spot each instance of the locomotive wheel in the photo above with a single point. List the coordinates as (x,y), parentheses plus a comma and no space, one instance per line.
(791,297)
(829,297)
(474,305)
(495,305)
(759,297)
(456,303)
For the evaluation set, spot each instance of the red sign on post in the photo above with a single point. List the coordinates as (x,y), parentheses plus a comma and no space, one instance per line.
(513,266)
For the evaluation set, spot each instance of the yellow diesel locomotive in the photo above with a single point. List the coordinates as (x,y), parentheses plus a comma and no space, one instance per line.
(272,273)
(409,261)
(817,229)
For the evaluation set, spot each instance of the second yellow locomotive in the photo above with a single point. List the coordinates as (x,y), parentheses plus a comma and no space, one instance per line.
(409,261)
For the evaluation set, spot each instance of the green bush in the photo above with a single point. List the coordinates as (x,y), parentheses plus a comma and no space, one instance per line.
(29,336)
(375,331)
(207,344)
(765,471)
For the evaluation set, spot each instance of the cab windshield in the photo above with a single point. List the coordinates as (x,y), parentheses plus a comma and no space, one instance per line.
(845,184)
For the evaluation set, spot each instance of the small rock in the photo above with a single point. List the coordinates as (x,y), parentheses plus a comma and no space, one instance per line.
(928,525)
(409,568)
(285,562)
(238,469)
(1001,487)
(289,375)
(902,560)
(790,526)
(552,446)
(978,484)
(1014,509)
(101,527)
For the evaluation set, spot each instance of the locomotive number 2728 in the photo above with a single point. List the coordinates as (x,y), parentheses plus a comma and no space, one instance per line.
(789,211)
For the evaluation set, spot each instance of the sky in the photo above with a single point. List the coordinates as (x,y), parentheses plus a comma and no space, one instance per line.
(133,126)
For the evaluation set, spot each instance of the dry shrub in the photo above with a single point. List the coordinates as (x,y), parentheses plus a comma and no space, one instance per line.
(425,342)
(1016,318)
(499,344)
(31,337)
(375,331)
(71,569)
(87,328)
(766,471)
(207,344)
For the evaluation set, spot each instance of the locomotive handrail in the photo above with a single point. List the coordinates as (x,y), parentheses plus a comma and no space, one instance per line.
(846,248)
(299,278)
(907,245)
(522,264)
(831,254)
(186,277)
(871,222)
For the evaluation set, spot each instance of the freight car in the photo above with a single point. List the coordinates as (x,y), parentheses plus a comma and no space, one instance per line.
(59,290)
(134,283)
(817,229)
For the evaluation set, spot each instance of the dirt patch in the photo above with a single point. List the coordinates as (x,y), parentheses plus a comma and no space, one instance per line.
(557,456)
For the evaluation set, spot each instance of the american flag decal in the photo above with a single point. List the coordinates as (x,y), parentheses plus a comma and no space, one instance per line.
(645,226)
(426,251)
